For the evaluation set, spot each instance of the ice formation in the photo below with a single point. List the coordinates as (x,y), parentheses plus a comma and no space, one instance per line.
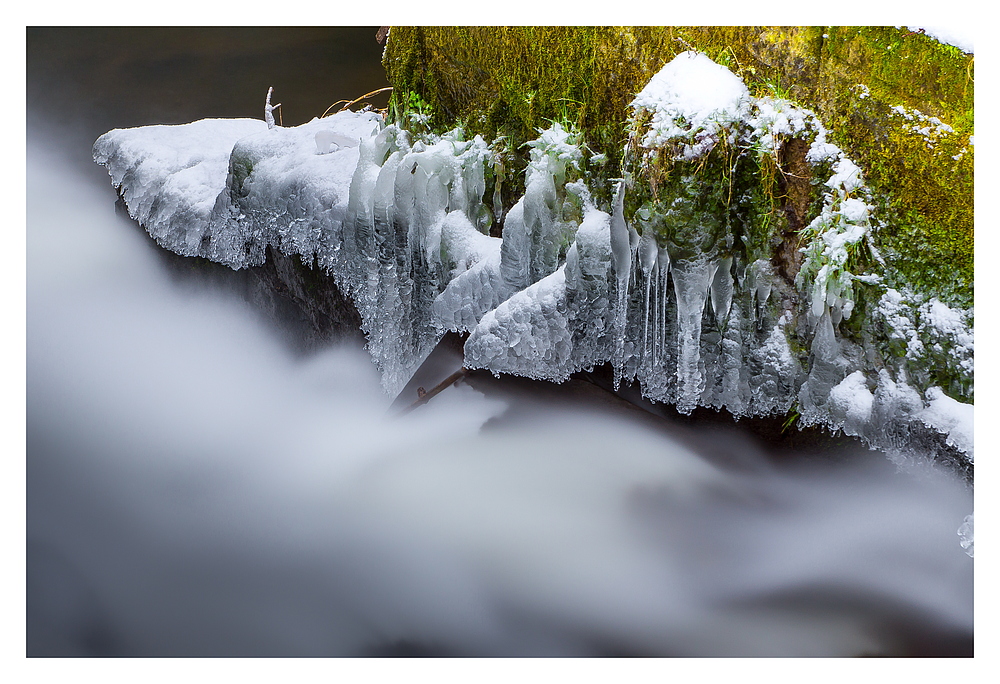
(269,109)
(672,283)
(391,222)
(967,533)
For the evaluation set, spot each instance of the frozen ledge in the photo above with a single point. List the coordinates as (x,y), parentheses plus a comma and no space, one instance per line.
(400,223)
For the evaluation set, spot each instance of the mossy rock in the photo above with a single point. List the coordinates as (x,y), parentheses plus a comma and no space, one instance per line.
(511,81)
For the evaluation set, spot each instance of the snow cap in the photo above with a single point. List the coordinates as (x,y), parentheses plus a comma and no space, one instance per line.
(692,98)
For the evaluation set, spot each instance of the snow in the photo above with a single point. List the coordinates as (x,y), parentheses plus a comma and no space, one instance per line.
(170,176)
(178,182)
(851,402)
(269,109)
(930,128)
(692,100)
(846,177)
(961,37)
(952,418)
(900,322)
(933,334)
(774,117)
(326,138)
(465,246)
(821,151)
(854,210)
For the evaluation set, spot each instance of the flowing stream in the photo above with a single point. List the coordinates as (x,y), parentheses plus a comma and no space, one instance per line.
(195,486)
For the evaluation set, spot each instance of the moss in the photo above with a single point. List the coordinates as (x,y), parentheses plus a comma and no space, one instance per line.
(927,197)
(510,81)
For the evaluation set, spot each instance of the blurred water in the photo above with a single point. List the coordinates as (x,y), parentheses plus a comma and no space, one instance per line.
(196,488)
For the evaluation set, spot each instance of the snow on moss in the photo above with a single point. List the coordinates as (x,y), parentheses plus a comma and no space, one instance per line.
(930,128)
(952,418)
(693,103)
(935,344)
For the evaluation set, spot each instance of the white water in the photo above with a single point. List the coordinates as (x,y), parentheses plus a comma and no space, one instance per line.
(194,489)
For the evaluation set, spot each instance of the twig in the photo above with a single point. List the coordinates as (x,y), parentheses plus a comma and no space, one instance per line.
(269,109)
(424,397)
(332,106)
(354,101)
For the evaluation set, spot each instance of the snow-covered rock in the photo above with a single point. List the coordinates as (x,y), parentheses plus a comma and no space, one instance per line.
(399,220)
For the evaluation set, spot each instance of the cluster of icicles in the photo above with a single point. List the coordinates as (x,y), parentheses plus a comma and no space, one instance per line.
(413,252)
(566,288)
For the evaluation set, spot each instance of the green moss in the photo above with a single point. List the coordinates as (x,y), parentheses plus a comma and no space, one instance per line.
(926,196)
(511,81)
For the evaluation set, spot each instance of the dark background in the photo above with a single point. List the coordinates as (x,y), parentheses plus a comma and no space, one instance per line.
(82,82)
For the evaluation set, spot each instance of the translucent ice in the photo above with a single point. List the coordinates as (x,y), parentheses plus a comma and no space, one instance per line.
(692,280)
(967,532)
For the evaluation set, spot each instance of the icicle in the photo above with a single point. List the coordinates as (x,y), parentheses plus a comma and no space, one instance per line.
(647,252)
(827,369)
(722,290)
(761,274)
(691,284)
(498,170)
(621,260)
(515,259)
(732,365)
(621,254)
(633,246)
(663,264)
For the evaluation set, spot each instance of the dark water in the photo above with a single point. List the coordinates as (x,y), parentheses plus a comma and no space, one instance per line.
(82,82)
(195,488)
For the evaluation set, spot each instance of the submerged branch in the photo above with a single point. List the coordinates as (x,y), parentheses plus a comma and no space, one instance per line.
(424,397)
